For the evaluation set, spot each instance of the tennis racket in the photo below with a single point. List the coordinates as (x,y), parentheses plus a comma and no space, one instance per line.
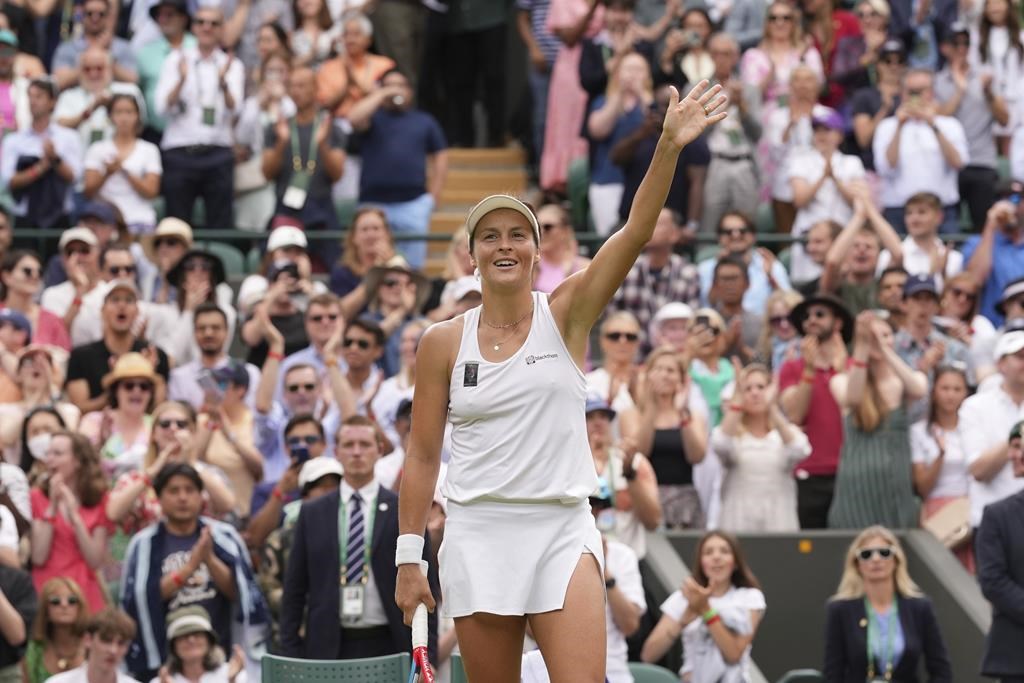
(421,671)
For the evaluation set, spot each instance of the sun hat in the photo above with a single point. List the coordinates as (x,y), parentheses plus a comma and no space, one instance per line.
(130,366)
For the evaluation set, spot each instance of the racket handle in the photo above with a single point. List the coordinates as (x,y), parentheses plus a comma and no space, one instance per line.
(419,618)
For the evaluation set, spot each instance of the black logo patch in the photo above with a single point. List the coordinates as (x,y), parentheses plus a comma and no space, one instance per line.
(531,359)
(470,374)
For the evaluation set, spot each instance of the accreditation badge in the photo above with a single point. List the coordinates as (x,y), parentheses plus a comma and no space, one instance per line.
(352,604)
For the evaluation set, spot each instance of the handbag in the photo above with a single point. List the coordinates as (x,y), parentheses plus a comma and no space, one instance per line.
(951,524)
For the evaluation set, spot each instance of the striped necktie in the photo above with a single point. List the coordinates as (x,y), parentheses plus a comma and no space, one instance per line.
(356,541)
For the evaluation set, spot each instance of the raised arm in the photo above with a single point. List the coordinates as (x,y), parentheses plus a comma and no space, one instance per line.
(831,276)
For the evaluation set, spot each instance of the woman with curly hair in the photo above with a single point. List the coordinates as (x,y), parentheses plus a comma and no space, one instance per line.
(69,525)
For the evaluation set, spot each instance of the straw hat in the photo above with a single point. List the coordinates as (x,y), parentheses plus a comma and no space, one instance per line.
(397,264)
(130,366)
(168,227)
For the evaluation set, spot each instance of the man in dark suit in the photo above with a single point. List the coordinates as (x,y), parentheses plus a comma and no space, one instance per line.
(999,545)
(342,564)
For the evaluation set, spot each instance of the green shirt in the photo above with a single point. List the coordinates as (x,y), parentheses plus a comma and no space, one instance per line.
(150,62)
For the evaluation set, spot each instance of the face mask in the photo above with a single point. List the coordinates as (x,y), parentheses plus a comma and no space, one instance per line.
(38,445)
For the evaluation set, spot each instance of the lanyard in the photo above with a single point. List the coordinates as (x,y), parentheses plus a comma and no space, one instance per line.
(887,657)
(312,154)
(368,515)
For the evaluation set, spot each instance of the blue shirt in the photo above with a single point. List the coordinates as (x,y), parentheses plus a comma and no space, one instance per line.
(1007,266)
(604,172)
(880,644)
(394,151)
(756,298)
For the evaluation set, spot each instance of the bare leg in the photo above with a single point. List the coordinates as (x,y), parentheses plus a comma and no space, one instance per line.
(491,647)
(573,639)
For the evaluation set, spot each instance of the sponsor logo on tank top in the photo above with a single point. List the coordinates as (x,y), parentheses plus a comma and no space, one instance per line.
(531,359)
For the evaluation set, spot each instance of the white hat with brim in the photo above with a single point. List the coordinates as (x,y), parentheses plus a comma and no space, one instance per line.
(168,227)
(78,234)
(500,201)
(286,236)
(188,620)
(1009,343)
(318,468)
(464,286)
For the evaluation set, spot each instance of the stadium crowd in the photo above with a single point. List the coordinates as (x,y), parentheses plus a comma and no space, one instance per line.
(190,463)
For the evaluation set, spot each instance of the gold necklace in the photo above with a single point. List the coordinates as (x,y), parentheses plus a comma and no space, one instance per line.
(497,345)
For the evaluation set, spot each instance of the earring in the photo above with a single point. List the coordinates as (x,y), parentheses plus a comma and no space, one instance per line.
(476,273)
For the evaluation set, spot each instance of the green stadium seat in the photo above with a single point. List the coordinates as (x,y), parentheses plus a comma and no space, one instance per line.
(577,185)
(708,251)
(651,673)
(234,261)
(785,256)
(458,671)
(253,260)
(389,669)
(345,209)
(764,221)
(802,676)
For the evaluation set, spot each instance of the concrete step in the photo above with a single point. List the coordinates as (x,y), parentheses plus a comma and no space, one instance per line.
(485,182)
(509,157)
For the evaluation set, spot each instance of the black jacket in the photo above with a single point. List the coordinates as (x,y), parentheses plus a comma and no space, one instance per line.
(311,580)
(846,658)
(999,544)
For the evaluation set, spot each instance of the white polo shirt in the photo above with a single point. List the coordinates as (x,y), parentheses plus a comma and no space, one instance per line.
(201,91)
(921,167)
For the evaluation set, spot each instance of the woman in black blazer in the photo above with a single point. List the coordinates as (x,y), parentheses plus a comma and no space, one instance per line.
(879,610)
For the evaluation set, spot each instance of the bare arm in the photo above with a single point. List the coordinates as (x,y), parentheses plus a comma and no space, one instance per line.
(915,382)
(363,110)
(601,121)
(980,263)
(886,234)
(926,475)
(222,498)
(986,466)
(732,645)
(831,276)
(625,613)
(235,24)
(643,490)
(892,152)
(12,626)
(272,365)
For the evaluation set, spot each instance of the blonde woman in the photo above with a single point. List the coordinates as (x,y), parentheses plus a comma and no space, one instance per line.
(874,484)
(758,448)
(779,341)
(55,644)
(368,243)
(879,626)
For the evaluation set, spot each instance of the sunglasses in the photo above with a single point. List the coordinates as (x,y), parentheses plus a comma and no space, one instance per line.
(308,440)
(777,320)
(780,18)
(320,318)
(132,385)
(168,423)
(31,273)
(83,250)
(296,388)
(198,265)
(867,14)
(962,293)
(619,336)
(361,343)
(866,554)
(166,242)
(56,600)
(734,232)
(391,283)
(119,270)
(207,22)
(915,92)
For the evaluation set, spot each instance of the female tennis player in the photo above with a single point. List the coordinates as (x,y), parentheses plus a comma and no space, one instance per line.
(520,542)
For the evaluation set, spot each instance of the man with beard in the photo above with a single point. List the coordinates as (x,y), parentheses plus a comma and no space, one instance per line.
(211,330)
(827,327)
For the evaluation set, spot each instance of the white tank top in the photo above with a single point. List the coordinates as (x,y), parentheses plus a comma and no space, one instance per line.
(519,433)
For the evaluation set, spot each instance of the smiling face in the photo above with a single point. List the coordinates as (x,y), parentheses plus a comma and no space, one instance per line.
(504,249)
(735,236)
(322,321)
(134,395)
(949,391)
(717,561)
(620,340)
(864,252)
(60,459)
(191,648)
(360,348)
(958,299)
(922,219)
(778,318)
(820,321)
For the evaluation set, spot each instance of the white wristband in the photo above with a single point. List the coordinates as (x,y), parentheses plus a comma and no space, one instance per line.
(409,549)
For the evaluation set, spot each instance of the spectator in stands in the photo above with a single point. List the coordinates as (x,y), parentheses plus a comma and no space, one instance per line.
(632,504)
(617,381)
(918,149)
(41,162)
(959,319)
(626,602)
(667,430)
(120,430)
(778,341)
(728,285)
(889,298)
(559,250)
(315,148)
(106,638)
(95,32)
(368,243)
(399,387)
(857,53)
(658,277)
(686,57)
(38,380)
(852,260)
(37,427)
(186,560)
(19,606)
(14,84)
(671,326)
(163,248)
(85,107)
(117,266)
(312,41)
(984,418)
(874,483)
(613,115)
(731,182)
(355,72)
(258,29)
(69,527)
(15,333)
(21,276)
(198,278)
(542,47)
(405,160)
(872,104)
(877,602)
(601,54)
(199,93)
(635,151)
(996,257)
(827,27)
(999,49)
(173,18)
(937,451)
(716,612)
(255,196)
(817,241)
(822,179)
(363,346)
(967,93)
(323,320)
(283,304)
(758,447)
(923,250)
(133,503)
(286,244)
(369,622)
(709,367)
(192,658)
(736,239)
(125,170)
(396,295)
(788,130)
(998,545)
(55,644)
(89,363)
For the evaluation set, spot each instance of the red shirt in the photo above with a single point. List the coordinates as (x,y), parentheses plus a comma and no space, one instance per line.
(823,423)
(844,24)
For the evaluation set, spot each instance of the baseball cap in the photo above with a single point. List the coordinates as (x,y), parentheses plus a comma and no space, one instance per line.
(674,310)
(287,236)
(501,201)
(101,210)
(119,286)
(920,283)
(317,468)
(234,372)
(467,284)
(17,319)
(1009,343)
(597,404)
(893,47)
(8,38)
(1010,291)
(827,117)
(78,234)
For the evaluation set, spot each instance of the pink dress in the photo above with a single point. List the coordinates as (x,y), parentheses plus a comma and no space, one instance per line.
(50,330)
(65,558)
(550,275)
(567,100)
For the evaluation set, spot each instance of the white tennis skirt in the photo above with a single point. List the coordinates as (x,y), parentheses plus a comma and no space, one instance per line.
(513,558)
